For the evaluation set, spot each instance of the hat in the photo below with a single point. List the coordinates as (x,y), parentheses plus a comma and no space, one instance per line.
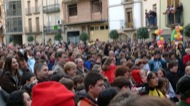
(183,84)
(52,94)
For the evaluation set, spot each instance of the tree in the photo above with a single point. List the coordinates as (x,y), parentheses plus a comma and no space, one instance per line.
(142,33)
(114,35)
(83,36)
(30,38)
(58,36)
(186,30)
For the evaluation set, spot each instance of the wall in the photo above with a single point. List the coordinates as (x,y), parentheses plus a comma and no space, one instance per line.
(116,14)
(137,10)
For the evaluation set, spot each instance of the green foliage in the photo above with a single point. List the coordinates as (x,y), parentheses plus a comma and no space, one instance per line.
(114,34)
(186,30)
(142,33)
(58,36)
(30,38)
(83,36)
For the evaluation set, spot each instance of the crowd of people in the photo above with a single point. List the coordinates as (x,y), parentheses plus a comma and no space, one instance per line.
(95,74)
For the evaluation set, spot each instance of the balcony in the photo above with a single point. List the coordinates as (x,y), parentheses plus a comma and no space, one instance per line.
(50,29)
(173,20)
(51,8)
(36,10)
(127,1)
(68,1)
(28,11)
(33,30)
(151,23)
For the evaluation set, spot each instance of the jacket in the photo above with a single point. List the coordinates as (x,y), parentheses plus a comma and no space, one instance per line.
(8,83)
(110,73)
(86,100)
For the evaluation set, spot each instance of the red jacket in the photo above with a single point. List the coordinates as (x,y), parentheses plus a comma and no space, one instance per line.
(110,73)
(186,58)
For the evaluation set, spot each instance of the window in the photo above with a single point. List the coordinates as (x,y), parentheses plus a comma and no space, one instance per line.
(96,6)
(129,17)
(37,24)
(30,24)
(102,27)
(92,28)
(96,28)
(173,3)
(72,10)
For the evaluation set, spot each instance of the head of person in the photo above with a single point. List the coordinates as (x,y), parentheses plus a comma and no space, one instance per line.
(70,68)
(111,54)
(157,54)
(19,98)
(41,70)
(78,80)
(107,63)
(28,78)
(122,83)
(52,93)
(173,66)
(23,64)
(62,56)
(80,63)
(11,64)
(143,75)
(161,73)
(172,55)
(163,85)
(152,79)
(187,70)
(135,100)
(94,84)
(97,68)
(122,71)
(51,56)
(187,50)
(69,84)
(106,96)
(183,87)
(140,63)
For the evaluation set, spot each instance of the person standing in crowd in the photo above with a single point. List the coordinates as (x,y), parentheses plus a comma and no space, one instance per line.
(108,68)
(157,62)
(81,70)
(62,58)
(10,78)
(41,71)
(186,58)
(152,80)
(94,84)
(173,74)
(19,98)
(70,70)
(183,87)
(187,70)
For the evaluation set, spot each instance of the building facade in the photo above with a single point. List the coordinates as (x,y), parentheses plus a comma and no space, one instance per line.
(90,16)
(168,22)
(126,17)
(151,16)
(2,22)
(13,20)
(42,19)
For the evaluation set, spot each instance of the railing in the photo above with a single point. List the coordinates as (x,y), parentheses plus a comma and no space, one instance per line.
(173,19)
(50,29)
(28,11)
(33,29)
(36,10)
(151,22)
(67,1)
(51,8)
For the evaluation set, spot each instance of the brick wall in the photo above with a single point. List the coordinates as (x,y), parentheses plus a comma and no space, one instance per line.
(84,12)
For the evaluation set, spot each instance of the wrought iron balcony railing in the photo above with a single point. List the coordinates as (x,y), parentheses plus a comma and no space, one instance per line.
(51,8)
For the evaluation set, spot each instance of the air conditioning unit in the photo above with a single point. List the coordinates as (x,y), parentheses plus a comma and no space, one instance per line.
(59,22)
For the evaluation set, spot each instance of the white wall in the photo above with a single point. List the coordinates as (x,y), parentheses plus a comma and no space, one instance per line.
(137,16)
(114,2)
(116,14)
(116,17)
